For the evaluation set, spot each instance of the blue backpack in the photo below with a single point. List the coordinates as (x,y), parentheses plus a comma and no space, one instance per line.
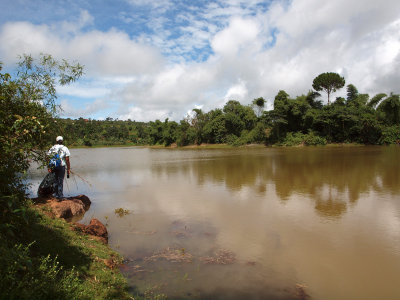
(55,161)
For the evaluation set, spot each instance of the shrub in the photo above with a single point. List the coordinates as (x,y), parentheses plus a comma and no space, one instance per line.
(390,135)
(311,139)
(27,277)
(298,138)
(293,139)
(233,140)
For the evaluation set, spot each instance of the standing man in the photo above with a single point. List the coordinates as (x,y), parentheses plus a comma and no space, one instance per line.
(59,159)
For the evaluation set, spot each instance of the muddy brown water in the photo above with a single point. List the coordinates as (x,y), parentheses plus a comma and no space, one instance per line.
(257,223)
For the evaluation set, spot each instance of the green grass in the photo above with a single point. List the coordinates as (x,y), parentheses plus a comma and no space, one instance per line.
(47,260)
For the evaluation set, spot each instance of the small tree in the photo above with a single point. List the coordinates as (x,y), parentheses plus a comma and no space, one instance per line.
(27,107)
(328,82)
(259,104)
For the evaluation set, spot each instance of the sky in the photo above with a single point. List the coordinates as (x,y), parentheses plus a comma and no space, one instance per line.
(148,60)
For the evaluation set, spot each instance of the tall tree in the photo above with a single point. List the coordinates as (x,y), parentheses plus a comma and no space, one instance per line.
(328,82)
(352,92)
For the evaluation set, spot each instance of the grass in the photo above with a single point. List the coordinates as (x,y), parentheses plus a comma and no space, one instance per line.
(48,260)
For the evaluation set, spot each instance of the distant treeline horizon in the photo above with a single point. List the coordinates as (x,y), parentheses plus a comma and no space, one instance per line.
(292,121)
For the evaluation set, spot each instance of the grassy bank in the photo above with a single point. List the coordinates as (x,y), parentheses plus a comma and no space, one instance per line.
(47,260)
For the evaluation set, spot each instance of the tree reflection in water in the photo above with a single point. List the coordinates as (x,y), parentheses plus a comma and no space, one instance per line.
(332,177)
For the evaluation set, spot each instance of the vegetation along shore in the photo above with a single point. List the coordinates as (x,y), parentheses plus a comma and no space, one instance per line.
(358,118)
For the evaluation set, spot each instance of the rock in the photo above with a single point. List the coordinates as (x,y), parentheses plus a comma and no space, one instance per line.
(95,229)
(67,208)
(84,199)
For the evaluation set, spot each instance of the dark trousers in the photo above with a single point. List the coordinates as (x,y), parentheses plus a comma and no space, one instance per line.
(60,173)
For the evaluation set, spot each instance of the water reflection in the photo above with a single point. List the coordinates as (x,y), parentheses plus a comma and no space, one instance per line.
(332,177)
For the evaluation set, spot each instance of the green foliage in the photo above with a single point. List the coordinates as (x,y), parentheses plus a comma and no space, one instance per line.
(258,134)
(186,134)
(238,117)
(312,100)
(258,105)
(39,257)
(390,135)
(328,82)
(343,121)
(27,277)
(352,92)
(215,131)
(27,106)
(47,260)
(376,99)
(390,107)
(298,138)
(233,140)
(293,139)
(311,139)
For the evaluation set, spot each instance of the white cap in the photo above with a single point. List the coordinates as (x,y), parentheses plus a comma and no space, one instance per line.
(59,138)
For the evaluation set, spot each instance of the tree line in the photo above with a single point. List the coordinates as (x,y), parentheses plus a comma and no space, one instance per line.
(357,118)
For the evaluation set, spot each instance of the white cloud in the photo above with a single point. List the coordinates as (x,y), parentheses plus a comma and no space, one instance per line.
(143,115)
(67,109)
(102,53)
(84,91)
(230,49)
(238,35)
(237,92)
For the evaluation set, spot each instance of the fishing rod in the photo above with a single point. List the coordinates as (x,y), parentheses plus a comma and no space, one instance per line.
(81,178)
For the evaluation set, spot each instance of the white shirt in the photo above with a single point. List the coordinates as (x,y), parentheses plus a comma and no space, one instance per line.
(61,150)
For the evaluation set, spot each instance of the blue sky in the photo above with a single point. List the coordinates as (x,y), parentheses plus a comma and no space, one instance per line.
(148,60)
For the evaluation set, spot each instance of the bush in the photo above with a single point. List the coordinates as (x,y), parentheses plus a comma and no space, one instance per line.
(390,135)
(311,139)
(87,143)
(27,277)
(293,139)
(233,140)
(298,138)
(257,134)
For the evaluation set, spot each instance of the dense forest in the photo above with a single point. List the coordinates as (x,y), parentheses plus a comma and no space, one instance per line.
(358,118)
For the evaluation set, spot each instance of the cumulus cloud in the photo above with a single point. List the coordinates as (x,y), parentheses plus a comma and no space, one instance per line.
(239,34)
(223,50)
(144,114)
(67,109)
(102,53)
